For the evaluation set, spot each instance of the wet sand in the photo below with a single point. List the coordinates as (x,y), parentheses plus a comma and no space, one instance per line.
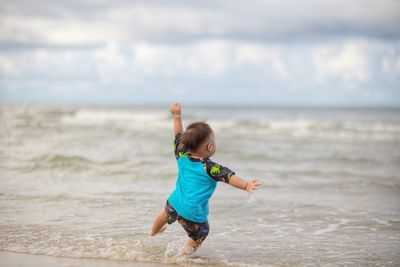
(9,259)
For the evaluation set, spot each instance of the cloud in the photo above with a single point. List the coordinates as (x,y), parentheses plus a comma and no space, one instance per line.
(390,65)
(93,22)
(256,50)
(269,58)
(348,62)
(203,58)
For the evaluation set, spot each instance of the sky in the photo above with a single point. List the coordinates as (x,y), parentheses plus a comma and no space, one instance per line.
(255,52)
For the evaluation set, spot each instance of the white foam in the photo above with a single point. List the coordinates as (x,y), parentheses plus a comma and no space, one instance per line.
(330,228)
(381,221)
(329,129)
(101,117)
(171,251)
(173,255)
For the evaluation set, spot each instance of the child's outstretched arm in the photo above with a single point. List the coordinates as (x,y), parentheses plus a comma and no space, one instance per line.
(175,109)
(238,182)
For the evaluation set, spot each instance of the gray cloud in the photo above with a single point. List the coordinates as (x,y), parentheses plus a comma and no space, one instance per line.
(191,21)
(176,49)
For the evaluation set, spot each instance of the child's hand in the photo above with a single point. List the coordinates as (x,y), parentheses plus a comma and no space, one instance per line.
(253,185)
(175,109)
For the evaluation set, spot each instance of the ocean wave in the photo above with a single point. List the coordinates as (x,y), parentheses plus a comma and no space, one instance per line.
(313,128)
(63,162)
(109,117)
(80,164)
(267,122)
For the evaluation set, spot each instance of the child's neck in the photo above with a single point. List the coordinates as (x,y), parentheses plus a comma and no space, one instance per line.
(199,156)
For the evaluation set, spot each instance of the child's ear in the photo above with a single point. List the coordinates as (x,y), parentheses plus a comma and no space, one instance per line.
(209,146)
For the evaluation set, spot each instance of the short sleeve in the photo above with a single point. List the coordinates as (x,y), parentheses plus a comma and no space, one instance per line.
(218,172)
(179,149)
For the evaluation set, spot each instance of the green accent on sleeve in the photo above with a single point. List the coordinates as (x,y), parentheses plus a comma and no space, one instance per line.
(174,145)
(215,170)
(182,154)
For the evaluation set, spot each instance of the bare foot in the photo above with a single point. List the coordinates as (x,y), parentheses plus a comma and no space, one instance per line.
(186,251)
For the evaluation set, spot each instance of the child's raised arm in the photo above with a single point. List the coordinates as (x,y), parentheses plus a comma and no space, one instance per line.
(175,109)
(238,182)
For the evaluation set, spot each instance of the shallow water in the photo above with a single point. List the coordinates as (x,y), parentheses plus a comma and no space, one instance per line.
(86,182)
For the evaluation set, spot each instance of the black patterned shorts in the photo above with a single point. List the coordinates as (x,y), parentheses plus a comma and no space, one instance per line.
(196,231)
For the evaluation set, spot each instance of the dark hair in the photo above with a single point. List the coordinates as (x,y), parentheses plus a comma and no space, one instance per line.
(195,135)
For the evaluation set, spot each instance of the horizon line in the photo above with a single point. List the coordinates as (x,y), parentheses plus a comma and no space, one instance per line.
(202,105)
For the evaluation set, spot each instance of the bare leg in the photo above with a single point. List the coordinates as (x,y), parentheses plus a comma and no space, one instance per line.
(190,247)
(159,223)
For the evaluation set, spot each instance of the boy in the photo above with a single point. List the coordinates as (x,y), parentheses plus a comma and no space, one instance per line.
(197,179)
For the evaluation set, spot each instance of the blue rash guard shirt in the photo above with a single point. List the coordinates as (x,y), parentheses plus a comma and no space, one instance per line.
(196,183)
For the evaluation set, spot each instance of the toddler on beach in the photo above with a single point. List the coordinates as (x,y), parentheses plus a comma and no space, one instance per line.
(197,179)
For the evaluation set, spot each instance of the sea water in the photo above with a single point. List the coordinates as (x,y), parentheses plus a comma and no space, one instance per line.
(87,181)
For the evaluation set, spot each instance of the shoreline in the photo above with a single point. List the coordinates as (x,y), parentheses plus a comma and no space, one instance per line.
(14,259)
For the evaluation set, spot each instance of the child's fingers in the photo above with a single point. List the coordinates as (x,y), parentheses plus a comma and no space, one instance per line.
(255,185)
(256,182)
